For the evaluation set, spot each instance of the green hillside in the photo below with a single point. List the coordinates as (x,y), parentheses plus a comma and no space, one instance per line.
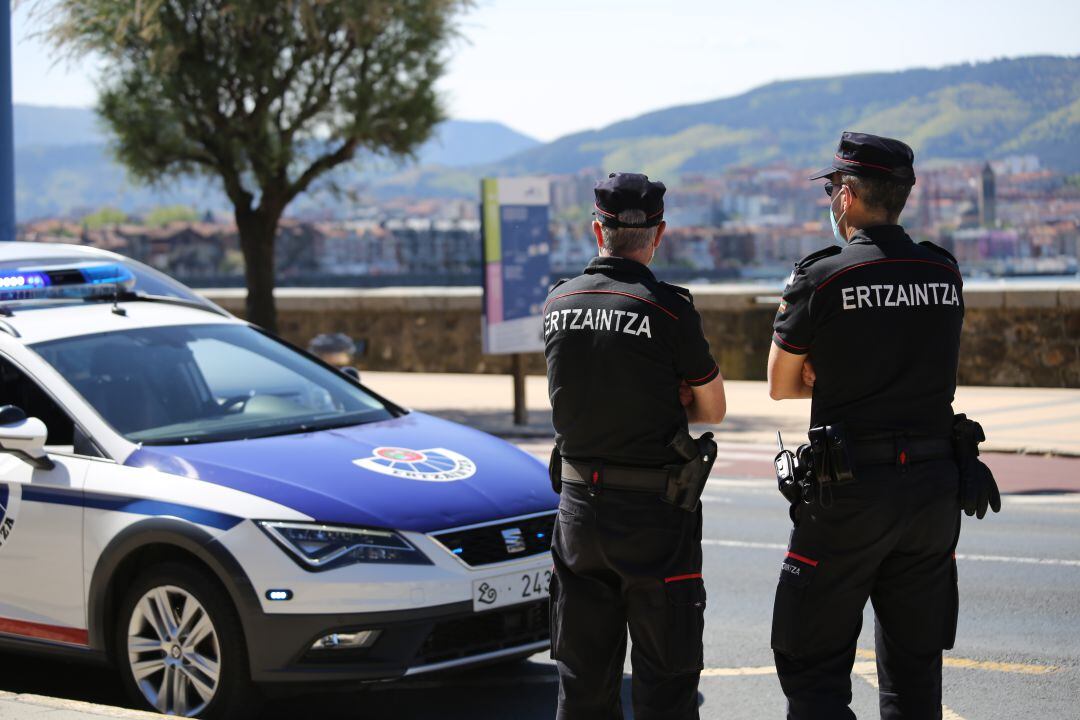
(963,112)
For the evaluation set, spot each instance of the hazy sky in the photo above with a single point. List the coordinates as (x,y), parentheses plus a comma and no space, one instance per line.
(550,67)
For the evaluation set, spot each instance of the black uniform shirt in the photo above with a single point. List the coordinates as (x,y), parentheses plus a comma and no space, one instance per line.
(881,320)
(618,342)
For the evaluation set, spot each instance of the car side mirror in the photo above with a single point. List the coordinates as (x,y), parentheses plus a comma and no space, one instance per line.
(351,372)
(24,437)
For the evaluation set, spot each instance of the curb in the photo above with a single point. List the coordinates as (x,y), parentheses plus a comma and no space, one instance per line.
(44,701)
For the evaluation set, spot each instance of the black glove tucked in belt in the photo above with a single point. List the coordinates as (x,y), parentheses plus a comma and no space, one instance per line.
(978,489)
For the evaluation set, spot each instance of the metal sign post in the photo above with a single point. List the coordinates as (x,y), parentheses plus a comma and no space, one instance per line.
(7,138)
(517,271)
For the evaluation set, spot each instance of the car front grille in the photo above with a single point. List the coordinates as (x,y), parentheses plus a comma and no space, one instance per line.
(500,541)
(486,632)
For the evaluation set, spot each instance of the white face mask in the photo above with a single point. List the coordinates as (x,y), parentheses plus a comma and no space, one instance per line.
(835,221)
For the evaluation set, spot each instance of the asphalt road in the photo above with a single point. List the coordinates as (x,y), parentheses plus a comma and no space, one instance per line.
(1017,652)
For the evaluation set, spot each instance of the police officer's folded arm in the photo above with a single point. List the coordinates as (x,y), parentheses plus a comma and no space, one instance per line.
(786,375)
(792,333)
(710,402)
(700,371)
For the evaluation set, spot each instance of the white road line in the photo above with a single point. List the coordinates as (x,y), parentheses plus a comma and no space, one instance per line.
(740,483)
(744,544)
(1018,560)
(959,556)
(722,455)
(1047,499)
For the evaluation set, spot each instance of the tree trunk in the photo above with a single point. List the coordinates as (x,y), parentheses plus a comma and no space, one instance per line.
(257,231)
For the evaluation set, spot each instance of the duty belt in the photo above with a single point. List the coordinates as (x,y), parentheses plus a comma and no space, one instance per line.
(900,450)
(614,477)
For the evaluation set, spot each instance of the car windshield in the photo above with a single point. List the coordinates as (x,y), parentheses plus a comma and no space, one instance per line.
(206,383)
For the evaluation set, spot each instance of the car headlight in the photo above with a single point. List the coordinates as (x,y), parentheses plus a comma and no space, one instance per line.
(319,547)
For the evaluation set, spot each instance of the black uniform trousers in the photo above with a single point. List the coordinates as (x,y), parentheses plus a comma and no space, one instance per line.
(889,536)
(626,558)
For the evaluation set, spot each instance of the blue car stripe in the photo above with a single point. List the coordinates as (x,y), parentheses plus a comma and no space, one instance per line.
(136,506)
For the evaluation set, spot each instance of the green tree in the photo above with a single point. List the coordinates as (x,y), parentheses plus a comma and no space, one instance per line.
(266,96)
(104,216)
(165,214)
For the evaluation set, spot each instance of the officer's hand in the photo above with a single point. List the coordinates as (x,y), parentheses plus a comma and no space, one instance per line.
(978,489)
(808,374)
(686,394)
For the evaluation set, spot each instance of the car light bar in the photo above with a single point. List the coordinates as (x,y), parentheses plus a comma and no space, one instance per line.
(83,280)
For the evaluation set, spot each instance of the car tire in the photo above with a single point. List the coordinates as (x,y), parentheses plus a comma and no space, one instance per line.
(180,647)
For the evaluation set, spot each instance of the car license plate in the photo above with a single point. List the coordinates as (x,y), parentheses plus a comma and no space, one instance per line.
(510,589)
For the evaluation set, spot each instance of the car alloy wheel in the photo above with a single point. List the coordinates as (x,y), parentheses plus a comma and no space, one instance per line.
(173,651)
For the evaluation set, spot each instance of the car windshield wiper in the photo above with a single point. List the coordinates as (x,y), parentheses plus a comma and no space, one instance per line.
(265,432)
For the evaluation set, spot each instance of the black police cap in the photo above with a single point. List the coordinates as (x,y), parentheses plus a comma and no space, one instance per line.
(629,191)
(872,156)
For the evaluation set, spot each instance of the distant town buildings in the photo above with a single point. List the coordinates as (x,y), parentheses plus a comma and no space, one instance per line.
(1005,217)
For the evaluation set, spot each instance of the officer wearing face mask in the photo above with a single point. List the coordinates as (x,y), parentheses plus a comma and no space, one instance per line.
(870,329)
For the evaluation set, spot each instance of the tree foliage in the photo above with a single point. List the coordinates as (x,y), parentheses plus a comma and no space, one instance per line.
(165,214)
(103,217)
(266,96)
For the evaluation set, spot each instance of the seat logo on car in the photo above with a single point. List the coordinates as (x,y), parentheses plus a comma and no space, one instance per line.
(431,465)
(9,505)
(515,541)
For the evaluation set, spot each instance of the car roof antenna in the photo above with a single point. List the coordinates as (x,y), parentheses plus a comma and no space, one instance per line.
(116,309)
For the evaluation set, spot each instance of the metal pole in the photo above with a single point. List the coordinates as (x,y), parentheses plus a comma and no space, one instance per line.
(7,139)
(521,413)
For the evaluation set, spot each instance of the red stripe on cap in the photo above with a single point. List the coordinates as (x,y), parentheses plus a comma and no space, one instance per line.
(604,212)
(677,578)
(864,164)
(41,631)
(802,558)
(611,292)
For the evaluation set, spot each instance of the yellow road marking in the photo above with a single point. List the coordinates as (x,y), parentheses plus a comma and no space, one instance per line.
(868,672)
(968,664)
(738,672)
(768,670)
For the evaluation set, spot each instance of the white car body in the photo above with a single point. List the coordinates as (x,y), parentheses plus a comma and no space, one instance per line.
(71,536)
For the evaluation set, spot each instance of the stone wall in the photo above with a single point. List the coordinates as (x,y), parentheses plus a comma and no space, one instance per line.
(1020,336)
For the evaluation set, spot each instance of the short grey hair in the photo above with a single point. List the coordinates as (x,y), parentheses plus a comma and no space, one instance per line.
(880,193)
(623,240)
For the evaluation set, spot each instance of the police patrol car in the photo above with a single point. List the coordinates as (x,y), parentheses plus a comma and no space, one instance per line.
(211,509)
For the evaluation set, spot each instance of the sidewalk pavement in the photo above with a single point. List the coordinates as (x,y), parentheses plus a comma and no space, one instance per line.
(17,706)
(1043,421)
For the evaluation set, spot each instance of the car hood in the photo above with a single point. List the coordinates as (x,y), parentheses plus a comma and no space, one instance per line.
(414,472)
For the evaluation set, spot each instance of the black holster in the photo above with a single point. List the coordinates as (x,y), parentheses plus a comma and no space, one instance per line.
(686,482)
(832,455)
(555,470)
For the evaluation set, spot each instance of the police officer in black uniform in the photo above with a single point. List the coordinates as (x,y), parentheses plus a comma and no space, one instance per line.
(628,365)
(870,329)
